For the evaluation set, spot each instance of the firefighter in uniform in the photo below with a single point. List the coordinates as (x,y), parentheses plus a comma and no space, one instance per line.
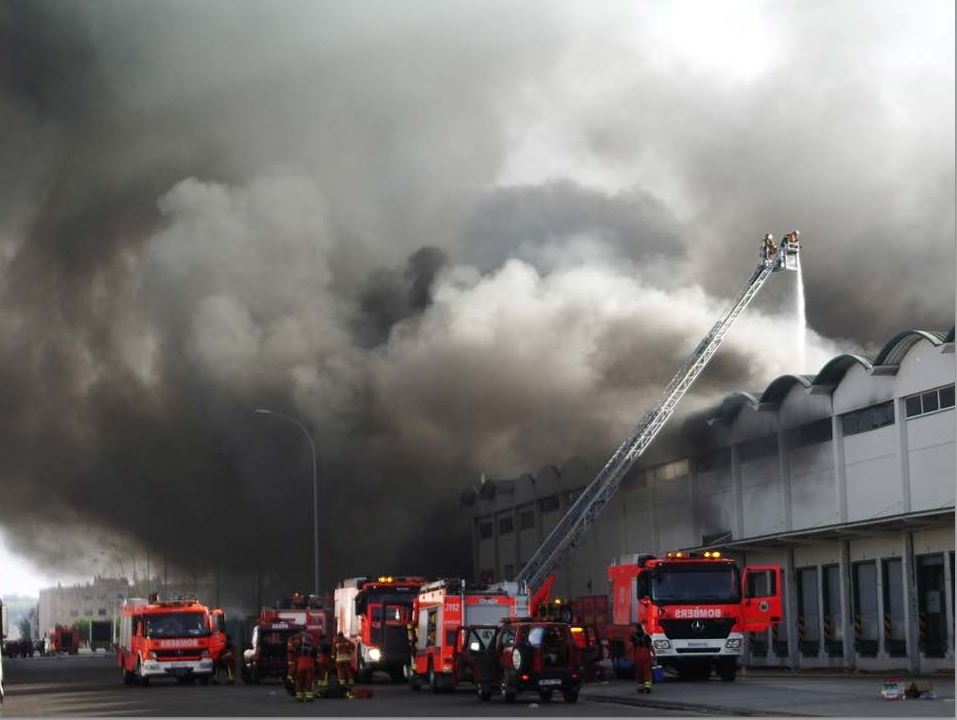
(324,665)
(305,667)
(343,651)
(227,661)
(292,655)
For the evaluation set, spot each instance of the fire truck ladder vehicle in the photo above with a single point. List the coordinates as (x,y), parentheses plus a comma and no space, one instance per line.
(596,495)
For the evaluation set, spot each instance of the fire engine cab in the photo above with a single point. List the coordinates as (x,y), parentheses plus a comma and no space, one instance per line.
(373,613)
(441,608)
(169,638)
(695,606)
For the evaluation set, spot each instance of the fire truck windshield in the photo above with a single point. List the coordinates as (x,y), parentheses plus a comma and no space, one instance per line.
(185,624)
(685,584)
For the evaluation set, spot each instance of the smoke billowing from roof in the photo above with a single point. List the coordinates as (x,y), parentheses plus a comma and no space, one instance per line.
(451,238)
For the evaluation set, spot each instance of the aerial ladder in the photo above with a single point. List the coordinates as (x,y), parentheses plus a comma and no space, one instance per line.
(534,576)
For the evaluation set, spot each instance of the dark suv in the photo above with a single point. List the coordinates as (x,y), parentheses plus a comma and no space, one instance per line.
(528,655)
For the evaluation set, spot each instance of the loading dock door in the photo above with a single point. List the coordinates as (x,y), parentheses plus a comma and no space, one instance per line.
(931,605)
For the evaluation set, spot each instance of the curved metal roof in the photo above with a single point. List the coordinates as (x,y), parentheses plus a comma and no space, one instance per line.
(896,348)
(779,387)
(833,371)
(731,405)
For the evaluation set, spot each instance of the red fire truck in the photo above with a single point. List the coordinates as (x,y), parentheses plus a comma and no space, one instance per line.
(165,638)
(373,613)
(65,639)
(266,655)
(440,609)
(695,606)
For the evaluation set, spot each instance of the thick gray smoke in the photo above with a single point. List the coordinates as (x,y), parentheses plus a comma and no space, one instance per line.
(451,237)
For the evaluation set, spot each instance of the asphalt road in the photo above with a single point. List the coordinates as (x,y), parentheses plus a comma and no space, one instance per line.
(88,685)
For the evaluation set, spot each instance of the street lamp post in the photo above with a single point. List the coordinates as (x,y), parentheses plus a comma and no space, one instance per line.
(315,490)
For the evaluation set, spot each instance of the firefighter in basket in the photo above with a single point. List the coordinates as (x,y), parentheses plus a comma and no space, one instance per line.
(767,250)
(343,653)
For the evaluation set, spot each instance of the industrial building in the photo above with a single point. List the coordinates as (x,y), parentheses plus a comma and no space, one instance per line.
(65,605)
(845,478)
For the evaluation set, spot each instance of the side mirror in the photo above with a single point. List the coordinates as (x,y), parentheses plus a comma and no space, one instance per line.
(249,655)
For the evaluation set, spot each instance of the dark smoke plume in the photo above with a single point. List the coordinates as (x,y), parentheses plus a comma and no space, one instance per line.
(450,237)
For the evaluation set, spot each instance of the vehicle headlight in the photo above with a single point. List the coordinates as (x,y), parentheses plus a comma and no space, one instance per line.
(375,654)
(662,644)
(733,643)
(517,659)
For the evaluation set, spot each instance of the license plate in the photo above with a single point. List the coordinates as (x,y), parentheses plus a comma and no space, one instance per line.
(550,681)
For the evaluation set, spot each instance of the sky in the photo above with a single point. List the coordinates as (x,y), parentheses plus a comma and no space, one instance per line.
(19,576)
(451,238)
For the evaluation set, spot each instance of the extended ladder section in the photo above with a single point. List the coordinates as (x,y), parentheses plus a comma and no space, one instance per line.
(569,530)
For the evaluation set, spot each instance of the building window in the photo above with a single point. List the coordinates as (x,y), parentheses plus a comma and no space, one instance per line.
(101,612)
(892,570)
(809,612)
(505,525)
(865,608)
(833,619)
(486,529)
(526,521)
(867,419)
(74,613)
(814,433)
(930,401)
(549,503)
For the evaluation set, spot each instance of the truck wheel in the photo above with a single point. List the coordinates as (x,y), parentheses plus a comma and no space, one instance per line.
(484,694)
(508,693)
(144,681)
(571,696)
(727,669)
(433,679)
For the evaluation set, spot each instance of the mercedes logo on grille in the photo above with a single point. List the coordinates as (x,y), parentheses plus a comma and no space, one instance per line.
(697,626)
